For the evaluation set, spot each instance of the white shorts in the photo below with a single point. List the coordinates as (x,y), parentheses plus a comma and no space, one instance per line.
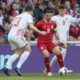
(17,42)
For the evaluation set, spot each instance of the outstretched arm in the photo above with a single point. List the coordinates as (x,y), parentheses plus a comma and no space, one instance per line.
(31,26)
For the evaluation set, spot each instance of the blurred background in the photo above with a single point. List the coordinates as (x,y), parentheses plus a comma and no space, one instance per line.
(10,8)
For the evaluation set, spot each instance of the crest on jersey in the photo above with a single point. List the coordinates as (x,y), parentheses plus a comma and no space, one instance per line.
(52,26)
(41,47)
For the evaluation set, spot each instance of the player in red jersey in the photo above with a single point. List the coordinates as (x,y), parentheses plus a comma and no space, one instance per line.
(45,43)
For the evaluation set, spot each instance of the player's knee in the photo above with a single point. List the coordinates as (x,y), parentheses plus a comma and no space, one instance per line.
(57,50)
(63,45)
(26,49)
(17,51)
(45,53)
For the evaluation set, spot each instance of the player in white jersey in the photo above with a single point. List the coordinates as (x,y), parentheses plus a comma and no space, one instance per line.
(63,22)
(18,42)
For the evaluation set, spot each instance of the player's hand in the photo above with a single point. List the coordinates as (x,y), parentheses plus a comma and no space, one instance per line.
(43,32)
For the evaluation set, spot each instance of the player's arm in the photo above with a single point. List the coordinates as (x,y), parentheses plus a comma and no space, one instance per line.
(31,26)
(73,19)
(30,33)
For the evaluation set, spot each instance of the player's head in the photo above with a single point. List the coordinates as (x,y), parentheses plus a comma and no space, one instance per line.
(48,13)
(62,10)
(29,9)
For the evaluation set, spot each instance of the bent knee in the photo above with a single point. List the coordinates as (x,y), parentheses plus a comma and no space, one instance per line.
(45,53)
(57,50)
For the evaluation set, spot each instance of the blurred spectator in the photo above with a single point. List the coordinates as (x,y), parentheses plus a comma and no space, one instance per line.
(22,2)
(78,1)
(33,3)
(13,7)
(76,12)
(10,8)
(74,32)
(0,1)
(56,6)
(17,4)
(4,8)
(5,35)
(1,17)
(79,28)
(50,5)
(14,13)
(39,10)
(1,35)
(73,2)
(9,2)
(68,7)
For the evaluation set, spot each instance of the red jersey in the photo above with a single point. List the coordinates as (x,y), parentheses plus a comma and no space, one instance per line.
(74,31)
(48,27)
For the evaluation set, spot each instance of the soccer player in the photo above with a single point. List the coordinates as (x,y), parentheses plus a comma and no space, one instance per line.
(18,42)
(45,43)
(63,22)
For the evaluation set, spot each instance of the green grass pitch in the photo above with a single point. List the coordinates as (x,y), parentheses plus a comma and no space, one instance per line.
(40,77)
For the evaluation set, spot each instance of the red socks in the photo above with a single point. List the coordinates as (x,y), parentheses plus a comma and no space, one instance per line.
(60,60)
(47,64)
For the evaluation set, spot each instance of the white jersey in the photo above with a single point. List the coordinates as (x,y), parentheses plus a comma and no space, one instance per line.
(63,24)
(18,28)
(20,24)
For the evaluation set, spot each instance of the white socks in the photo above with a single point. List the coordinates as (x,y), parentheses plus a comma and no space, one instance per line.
(64,52)
(23,58)
(54,59)
(11,60)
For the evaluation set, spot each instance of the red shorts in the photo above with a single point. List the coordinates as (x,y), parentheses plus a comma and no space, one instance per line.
(49,45)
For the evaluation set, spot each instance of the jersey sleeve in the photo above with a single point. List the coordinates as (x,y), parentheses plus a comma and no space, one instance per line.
(53,18)
(38,25)
(72,19)
(30,20)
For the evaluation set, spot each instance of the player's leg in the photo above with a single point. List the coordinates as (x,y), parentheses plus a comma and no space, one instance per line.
(60,60)
(45,53)
(23,44)
(57,51)
(8,65)
(47,62)
(24,56)
(16,54)
(54,58)
(63,51)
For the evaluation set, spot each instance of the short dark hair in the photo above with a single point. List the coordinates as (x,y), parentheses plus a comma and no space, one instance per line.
(48,11)
(28,8)
(62,7)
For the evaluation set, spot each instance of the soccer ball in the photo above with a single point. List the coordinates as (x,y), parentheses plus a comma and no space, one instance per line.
(63,71)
